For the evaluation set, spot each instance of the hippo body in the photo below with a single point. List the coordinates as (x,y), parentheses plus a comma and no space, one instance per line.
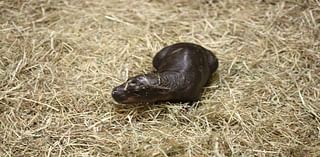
(182,70)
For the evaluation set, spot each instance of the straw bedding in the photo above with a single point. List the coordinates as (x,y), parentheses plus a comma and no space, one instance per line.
(60,60)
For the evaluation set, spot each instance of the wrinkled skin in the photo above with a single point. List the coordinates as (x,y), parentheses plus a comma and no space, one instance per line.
(183,69)
(141,88)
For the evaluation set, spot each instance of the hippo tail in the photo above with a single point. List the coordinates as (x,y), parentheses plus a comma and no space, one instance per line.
(213,62)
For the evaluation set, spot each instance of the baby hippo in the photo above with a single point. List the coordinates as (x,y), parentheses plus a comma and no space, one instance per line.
(182,70)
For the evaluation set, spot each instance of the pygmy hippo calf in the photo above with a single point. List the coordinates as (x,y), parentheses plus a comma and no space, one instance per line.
(182,70)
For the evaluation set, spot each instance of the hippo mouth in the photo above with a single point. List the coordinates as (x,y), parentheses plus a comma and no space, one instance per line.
(121,96)
(128,100)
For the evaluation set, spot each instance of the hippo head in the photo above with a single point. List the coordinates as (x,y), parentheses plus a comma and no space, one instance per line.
(140,89)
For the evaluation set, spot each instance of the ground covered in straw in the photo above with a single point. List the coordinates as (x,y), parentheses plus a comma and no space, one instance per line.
(59,61)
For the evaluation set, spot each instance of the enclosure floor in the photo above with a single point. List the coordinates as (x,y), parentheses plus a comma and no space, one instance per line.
(60,59)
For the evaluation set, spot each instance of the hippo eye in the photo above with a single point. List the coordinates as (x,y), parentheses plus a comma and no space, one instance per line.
(139,87)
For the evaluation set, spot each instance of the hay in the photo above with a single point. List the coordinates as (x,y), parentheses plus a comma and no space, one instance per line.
(60,59)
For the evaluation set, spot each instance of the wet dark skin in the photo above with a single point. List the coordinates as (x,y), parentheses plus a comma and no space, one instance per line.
(182,70)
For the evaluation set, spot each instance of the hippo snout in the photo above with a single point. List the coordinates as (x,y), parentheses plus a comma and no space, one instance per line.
(119,94)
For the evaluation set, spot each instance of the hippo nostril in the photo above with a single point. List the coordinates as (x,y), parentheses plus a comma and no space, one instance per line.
(116,93)
(118,96)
